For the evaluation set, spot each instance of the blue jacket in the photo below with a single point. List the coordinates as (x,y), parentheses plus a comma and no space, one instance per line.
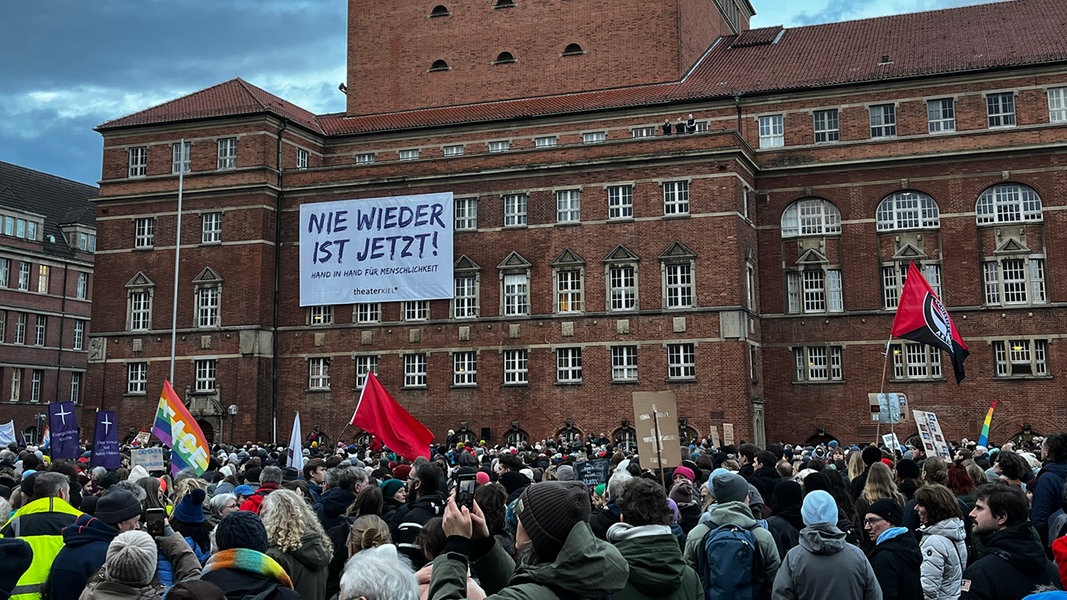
(85,545)
(1048,496)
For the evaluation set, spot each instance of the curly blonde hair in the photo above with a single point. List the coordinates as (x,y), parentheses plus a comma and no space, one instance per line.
(286,517)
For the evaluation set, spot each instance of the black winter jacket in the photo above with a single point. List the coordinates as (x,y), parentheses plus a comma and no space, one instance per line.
(1014,564)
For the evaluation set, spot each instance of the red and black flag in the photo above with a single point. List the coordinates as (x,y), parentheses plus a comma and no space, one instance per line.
(922,318)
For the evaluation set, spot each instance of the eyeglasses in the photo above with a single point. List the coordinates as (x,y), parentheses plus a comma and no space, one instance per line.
(872,520)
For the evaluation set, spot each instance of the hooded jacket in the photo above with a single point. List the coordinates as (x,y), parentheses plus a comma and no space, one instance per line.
(732,513)
(332,505)
(944,554)
(896,560)
(585,567)
(406,525)
(656,566)
(823,566)
(1015,563)
(85,545)
(306,565)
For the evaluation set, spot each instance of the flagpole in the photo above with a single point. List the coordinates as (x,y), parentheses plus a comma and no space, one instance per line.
(177,256)
(881,388)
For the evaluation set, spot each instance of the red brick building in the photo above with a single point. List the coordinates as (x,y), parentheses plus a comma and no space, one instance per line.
(47,240)
(752,266)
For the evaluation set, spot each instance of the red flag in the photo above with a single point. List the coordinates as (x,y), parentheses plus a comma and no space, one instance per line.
(379,414)
(922,318)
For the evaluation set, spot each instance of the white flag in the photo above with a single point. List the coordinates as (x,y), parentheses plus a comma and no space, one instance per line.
(7,433)
(295,457)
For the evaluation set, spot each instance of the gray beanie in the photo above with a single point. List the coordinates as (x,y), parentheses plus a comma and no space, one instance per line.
(131,558)
(116,506)
(565,473)
(729,487)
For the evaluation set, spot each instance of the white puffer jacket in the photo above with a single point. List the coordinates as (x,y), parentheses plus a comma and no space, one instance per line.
(944,558)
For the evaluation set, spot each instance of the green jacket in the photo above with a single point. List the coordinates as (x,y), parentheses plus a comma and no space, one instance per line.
(305,565)
(41,524)
(657,570)
(733,513)
(585,568)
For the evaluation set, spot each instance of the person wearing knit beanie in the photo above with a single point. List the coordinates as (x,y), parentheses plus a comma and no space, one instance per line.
(241,529)
(888,510)
(191,507)
(565,473)
(16,555)
(729,487)
(683,471)
(390,487)
(548,511)
(131,559)
(188,520)
(819,508)
(116,506)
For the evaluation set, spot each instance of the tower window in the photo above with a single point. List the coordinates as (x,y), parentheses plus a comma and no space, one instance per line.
(504,4)
(439,65)
(572,50)
(439,11)
(504,58)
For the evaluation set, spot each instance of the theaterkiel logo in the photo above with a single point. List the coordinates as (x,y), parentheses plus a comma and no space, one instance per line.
(937,320)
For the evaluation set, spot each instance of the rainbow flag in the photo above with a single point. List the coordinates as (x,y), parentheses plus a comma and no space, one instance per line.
(177,429)
(983,439)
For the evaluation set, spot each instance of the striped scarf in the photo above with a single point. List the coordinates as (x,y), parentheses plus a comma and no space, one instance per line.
(245,559)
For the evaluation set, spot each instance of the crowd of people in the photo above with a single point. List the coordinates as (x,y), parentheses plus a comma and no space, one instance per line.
(478,521)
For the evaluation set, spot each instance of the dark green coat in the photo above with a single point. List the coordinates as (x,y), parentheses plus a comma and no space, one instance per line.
(657,570)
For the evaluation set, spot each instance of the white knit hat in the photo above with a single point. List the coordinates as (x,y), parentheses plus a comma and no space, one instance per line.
(131,558)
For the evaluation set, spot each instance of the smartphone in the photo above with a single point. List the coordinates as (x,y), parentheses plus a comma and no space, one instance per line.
(465,485)
(154,518)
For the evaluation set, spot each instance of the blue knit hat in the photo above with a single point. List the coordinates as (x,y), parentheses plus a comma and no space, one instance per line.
(191,508)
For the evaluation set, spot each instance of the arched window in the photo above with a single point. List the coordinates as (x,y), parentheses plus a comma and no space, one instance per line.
(907,210)
(1008,203)
(573,49)
(504,57)
(439,65)
(810,216)
(439,11)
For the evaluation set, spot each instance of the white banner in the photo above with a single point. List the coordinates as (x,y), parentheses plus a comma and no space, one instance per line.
(149,458)
(376,250)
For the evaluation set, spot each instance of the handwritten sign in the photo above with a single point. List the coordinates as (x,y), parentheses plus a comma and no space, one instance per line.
(592,472)
(149,458)
(376,250)
(656,422)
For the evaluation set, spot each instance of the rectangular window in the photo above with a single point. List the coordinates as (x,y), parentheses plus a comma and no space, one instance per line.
(624,363)
(39,330)
(453,150)
(1000,109)
(227,153)
(5,272)
(75,387)
(545,141)
(465,369)
(416,310)
(500,146)
(893,282)
(466,210)
(181,160)
(368,312)
(568,206)
(681,361)
(366,158)
(36,379)
(675,198)
(144,232)
(941,115)
(465,298)
(514,210)
(827,126)
(207,307)
(620,202)
(205,375)
(883,120)
(678,279)
(366,363)
(1014,281)
(771,131)
(20,328)
(81,291)
(516,294)
(211,228)
(818,363)
(320,315)
(412,154)
(516,367)
(3,325)
(814,291)
(16,384)
(140,310)
(302,157)
(750,286)
(319,373)
(622,281)
(415,370)
(138,161)
(594,137)
(79,336)
(42,279)
(569,365)
(1020,358)
(642,132)
(136,377)
(914,361)
(1057,105)
(569,290)
(24,276)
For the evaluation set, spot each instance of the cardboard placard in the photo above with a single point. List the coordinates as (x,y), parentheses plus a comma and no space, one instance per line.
(592,472)
(888,407)
(892,442)
(930,433)
(728,434)
(149,458)
(657,412)
(715,436)
(142,438)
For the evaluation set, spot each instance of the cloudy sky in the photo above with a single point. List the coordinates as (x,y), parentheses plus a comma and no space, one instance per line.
(69,65)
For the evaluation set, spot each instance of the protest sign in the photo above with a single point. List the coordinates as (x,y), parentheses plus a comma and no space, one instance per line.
(592,472)
(656,412)
(930,433)
(892,442)
(715,436)
(376,250)
(728,434)
(888,407)
(149,458)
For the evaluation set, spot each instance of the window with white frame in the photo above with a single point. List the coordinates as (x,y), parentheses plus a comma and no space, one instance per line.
(365,363)
(140,309)
(750,286)
(320,315)
(81,289)
(545,141)
(516,366)
(302,157)
(941,115)
(568,206)
(36,379)
(5,272)
(144,232)
(466,214)
(1008,203)
(624,363)
(366,158)
(568,365)
(594,137)
(676,198)
(181,160)
(24,276)
(678,284)
(39,330)
(415,370)
(516,294)
(465,298)
(42,279)
(569,290)
(136,377)
(1014,280)
(1000,109)
(416,310)
(75,387)
(621,201)
(204,369)
(893,276)
(1057,105)
(681,361)
(137,159)
(227,157)
(79,336)
(465,369)
(883,120)
(453,150)
(319,373)
(16,384)
(771,131)
(514,210)
(207,306)
(211,228)
(20,328)
(915,361)
(368,312)
(907,210)
(622,287)
(3,325)
(1020,358)
(499,146)
(642,132)
(827,126)
(409,154)
(814,290)
(810,216)
(817,363)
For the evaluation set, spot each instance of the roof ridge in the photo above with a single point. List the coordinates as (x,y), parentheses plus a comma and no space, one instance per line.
(42,173)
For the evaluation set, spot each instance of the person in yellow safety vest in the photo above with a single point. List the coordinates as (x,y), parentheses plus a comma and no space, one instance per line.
(40,523)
